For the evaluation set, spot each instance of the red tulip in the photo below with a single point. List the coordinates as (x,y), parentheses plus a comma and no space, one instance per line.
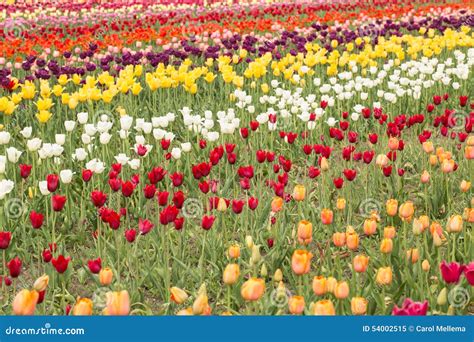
(469,273)
(117,168)
(451,272)
(156,175)
(338,182)
(145,226)
(95,265)
(313,172)
(52,182)
(387,170)
(14,266)
(58,202)
(130,235)
(60,263)
(127,188)
(165,144)
(261,156)
(207,222)
(98,198)
(430,107)
(168,214)
(178,199)
(463,100)
(373,138)
(237,206)
(411,308)
(178,223)
(437,99)
(177,179)
(253,203)
(141,150)
(5,238)
(47,255)
(115,184)
(149,191)
(25,170)
(163,198)
(204,187)
(350,174)
(86,175)
(36,219)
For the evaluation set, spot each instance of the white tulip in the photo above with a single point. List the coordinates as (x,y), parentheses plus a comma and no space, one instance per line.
(43,186)
(126,122)
(80,154)
(13,154)
(66,176)
(134,164)
(69,125)
(82,117)
(104,138)
(6,186)
(4,137)
(60,139)
(186,147)
(122,158)
(26,132)
(3,164)
(34,144)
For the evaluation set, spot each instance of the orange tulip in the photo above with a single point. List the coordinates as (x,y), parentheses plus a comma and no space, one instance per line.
(277,204)
(389,232)
(319,285)
(433,160)
(339,239)
(393,143)
(386,246)
(352,240)
(118,303)
(359,305)
(105,276)
(331,284)
(465,186)
(370,227)
(201,304)
(428,147)
(468,215)
(417,226)
(301,261)
(299,192)
(253,289)
(185,312)
(231,274)
(327,216)
(447,166)
(305,232)
(341,204)
(323,308)
(454,224)
(24,303)
(413,255)
(384,276)
(360,263)
(341,291)
(234,251)
(178,295)
(83,307)
(469,152)
(296,305)
(391,206)
(425,177)
(406,211)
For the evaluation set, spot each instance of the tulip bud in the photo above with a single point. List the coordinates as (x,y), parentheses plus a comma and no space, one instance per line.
(278,276)
(105,276)
(392,206)
(417,227)
(201,305)
(263,271)
(384,276)
(249,241)
(256,256)
(324,164)
(331,284)
(178,295)
(83,307)
(370,227)
(24,303)
(341,291)
(442,298)
(389,232)
(277,204)
(305,232)
(234,251)
(454,224)
(41,283)
(433,160)
(413,255)
(425,265)
(360,263)
(339,239)
(221,205)
(252,289)
(323,307)
(319,285)
(425,177)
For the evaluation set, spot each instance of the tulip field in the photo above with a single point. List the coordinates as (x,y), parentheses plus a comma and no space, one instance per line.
(181,157)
